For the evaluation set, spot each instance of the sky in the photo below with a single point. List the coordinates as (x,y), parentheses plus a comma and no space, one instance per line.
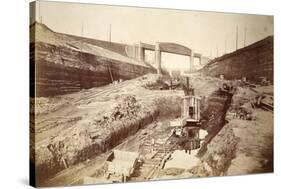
(209,33)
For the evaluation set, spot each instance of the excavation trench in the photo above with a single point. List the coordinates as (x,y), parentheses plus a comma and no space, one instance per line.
(219,146)
(182,165)
(214,114)
(127,118)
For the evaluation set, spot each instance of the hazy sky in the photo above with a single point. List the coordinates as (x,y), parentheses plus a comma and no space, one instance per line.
(201,31)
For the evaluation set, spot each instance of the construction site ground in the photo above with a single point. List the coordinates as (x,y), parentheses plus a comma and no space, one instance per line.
(82,128)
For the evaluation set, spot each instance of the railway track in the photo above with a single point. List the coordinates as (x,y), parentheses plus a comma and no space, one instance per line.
(150,166)
(104,91)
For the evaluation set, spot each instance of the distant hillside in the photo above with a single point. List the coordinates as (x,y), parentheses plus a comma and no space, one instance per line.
(66,63)
(252,62)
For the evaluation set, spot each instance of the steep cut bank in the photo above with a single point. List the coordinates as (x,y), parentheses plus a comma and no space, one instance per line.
(242,146)
(64,64)
(214,113)
(252,62)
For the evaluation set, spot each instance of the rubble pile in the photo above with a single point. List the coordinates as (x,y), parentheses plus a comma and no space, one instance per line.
(127,109)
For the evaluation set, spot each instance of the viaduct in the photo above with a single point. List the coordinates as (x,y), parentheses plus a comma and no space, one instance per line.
(137,51)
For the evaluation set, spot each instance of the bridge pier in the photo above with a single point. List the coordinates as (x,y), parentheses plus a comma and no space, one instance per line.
(192,60)
(165,47)
(158,57)
(141,52)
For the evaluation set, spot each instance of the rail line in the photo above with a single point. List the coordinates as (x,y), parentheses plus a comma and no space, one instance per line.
(152,165)
(95,94)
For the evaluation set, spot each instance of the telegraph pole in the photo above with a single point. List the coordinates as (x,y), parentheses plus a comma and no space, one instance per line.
(82,29)
(82,41)
(109,34)
(217,50)
(236,37)
(245,35)
(39,12)
(225,45)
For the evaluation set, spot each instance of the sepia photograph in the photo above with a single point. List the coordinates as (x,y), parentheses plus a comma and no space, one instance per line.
(128,94)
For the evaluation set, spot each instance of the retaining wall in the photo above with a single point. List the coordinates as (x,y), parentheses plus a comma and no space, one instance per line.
(60,70)
(252,62)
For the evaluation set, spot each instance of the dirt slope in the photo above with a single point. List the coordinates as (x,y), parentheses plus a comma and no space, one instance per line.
(62,64)
(242,146)
(46,35)
(75,127)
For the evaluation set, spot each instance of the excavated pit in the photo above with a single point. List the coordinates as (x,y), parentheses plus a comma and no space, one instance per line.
(214,111)
(131,113)
(116,137)
(77,145)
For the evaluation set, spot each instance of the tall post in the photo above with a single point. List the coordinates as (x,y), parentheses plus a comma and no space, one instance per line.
(236,37)
(200,60)
(192,60)
(158,57)
(109,33)
(225,44)
(82,29)
(245,35)
(217,50)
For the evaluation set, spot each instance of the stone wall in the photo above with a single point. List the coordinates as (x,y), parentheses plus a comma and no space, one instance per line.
(252,62)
